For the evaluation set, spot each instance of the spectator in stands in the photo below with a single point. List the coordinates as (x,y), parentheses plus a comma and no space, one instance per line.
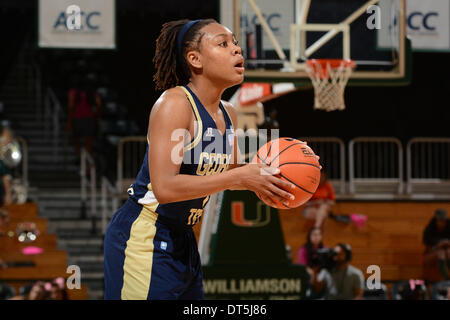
(56,289)
(436,238)
(308,255)
(5,179)
(84,112)
(413,289)
(37,291)
(6,292)
(308,252)
(319,206)
(4,221)
(440,290)
(348,281)
(34,291)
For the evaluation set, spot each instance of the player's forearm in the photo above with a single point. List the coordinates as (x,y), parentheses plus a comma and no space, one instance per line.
(186,187)
(235,165)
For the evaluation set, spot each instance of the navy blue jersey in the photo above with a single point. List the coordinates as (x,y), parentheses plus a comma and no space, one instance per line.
(208,152)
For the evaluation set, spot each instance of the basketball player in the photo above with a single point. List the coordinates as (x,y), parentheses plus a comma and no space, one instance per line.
(150,248)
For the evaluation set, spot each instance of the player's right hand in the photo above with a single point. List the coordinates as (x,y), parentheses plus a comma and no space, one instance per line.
(261,179)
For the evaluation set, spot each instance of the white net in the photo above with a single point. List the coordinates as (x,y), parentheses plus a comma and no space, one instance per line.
(329,81)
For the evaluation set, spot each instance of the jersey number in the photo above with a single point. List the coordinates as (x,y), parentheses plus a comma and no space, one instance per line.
(195,216)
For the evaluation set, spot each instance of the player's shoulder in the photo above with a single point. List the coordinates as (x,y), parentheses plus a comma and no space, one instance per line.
(175,94)
(172,100)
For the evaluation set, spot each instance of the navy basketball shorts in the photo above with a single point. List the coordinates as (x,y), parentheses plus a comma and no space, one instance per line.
(146,259)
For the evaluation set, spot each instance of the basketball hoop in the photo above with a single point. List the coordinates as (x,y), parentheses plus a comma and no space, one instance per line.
(329,78)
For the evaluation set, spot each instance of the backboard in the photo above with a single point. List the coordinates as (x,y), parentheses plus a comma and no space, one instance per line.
(278,37)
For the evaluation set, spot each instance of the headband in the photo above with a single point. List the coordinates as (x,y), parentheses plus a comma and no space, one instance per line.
(181,35)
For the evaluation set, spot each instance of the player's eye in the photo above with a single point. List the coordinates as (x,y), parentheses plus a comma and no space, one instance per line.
(224,44)
(235,42)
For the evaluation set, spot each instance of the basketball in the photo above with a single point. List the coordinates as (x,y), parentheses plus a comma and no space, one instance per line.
(297,163)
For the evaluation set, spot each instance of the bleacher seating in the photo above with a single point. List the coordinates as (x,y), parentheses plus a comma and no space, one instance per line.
(50,264)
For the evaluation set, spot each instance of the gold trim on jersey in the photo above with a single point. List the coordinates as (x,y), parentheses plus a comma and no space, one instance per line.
(205,201)
(137,268)
(198,134)
(229,117)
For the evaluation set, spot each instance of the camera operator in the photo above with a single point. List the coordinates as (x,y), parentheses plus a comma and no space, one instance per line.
(314,256)
(348,281)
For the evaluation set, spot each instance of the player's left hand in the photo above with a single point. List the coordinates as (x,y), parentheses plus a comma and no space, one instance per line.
(267,200)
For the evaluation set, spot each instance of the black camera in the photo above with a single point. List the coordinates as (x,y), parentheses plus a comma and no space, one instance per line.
(324,258)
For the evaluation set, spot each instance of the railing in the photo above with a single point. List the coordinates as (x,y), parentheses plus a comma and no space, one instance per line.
(24,167)
(109,196)
(37,90)
(130,154)
(376,163)
(52,112)
(428,165)
(20,183)
(87,162)
(332,158)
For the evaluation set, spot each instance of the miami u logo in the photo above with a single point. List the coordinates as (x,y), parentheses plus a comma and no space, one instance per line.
(238,215)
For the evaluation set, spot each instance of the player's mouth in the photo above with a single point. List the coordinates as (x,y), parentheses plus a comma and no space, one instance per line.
(239,67)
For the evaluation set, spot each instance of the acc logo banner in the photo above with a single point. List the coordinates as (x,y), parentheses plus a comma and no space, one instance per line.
(428,24)
(84,24)
(238,215)
(279,15)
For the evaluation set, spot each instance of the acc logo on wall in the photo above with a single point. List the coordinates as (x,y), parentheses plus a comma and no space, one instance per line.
(238,215)
(279,17)
(428,24)
(88,24)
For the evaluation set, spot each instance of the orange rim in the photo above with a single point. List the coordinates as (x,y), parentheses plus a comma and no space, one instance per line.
(334,64)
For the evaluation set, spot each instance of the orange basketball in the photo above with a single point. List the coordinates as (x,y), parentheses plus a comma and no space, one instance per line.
(297,163)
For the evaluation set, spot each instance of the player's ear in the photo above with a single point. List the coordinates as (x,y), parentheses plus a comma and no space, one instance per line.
(194,59)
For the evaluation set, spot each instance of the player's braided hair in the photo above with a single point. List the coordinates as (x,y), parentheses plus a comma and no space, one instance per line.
(172,70)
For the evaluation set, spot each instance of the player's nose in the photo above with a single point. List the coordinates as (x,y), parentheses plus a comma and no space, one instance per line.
(237,50)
